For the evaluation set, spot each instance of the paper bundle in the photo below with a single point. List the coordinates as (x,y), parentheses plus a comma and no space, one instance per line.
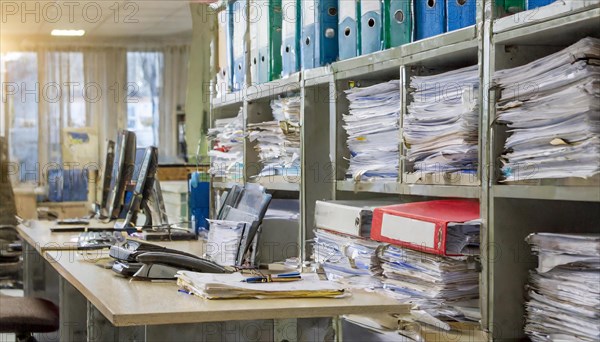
(438,285)
(230,286)
(348,259)
(227,155)
(564,291)
(441,127)
(372,126)
(278,141)
(551,107)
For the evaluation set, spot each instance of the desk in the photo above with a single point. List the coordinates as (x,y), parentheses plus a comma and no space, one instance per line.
(111,302)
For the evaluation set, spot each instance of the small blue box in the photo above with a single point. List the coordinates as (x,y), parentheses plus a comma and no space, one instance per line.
(199,200)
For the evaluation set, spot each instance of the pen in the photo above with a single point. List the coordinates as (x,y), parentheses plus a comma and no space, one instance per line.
(271,279)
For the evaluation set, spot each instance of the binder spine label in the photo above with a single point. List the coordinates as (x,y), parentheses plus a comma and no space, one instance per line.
(415,232)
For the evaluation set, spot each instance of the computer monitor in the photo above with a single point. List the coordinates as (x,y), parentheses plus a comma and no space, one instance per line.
(144,183)
(130,186)
(107,173)
(122,171)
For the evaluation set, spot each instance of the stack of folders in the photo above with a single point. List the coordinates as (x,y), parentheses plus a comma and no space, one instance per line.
(227,155)
(441,126)
(551,107)
(342,245)
(230,286)
(279,140)
(432,260)
(349,260)
(564,291)
(372,127)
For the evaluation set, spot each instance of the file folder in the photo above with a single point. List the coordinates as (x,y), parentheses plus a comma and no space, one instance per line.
(290,30)
(430,18)
(308,40)
(272,51)
(224,59)
(348,23)
(371,35)
(258,29)
(347,217)
(459,14)
(531,4)
(505,7)
(265,30)
(398,22)
(421,226)
(238,22)
(327,32)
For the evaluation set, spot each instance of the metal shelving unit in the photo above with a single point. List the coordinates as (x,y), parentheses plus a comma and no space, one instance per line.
(509,211)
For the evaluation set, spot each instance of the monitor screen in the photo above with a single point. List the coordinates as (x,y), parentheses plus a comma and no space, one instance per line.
(107,172)
(122,171)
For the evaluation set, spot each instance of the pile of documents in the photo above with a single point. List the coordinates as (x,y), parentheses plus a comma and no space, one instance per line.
(230,286)
(551,107)
(441,127)
(227,155)
(350,260)
(564,291)
(372,126)
(278,141)
(440,286)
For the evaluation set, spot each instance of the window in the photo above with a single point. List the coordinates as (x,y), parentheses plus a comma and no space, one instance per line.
(19,99)
(144,85)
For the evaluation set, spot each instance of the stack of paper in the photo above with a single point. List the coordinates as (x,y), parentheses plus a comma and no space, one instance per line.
(279,140)
(551,108)
(227,155)
(230,286)
(564,291)
(441,127)
(372,127)
(438,285)
(348,259)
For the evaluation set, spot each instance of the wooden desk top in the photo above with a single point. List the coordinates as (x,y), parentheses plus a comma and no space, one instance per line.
(38,235)
(126,303)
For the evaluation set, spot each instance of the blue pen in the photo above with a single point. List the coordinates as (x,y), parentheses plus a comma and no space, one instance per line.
(277,278)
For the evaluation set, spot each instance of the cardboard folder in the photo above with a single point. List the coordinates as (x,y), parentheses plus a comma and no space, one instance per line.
(459,14)
(347,217)
(308,41)
(371,26)
(398,22)
(348,32)
(421,226)
(430,18)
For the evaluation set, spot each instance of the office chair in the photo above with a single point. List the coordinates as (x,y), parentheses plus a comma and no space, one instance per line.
(24,316)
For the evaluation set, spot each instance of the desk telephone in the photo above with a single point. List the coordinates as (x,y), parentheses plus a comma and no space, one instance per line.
(147,261)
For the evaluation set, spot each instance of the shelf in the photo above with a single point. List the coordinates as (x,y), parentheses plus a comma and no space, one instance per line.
(270,90)
(560,23)
(383,187)
(392,187)
(441,190)
(447,47)
(548,192)
(228,99)
(228,184)
(317,76)
(275,183)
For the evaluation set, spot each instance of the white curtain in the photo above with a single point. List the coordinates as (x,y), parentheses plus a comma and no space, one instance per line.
(105,74)
(175,72)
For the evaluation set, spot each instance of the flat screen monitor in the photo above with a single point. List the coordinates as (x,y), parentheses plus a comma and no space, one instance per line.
(107,173)
(144,183)
(122,171)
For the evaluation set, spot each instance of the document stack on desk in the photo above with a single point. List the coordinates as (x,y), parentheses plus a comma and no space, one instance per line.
(550,107)
(235,286)
(279,140)
(564,291)
(372,127)
(441,126)
(227,155)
